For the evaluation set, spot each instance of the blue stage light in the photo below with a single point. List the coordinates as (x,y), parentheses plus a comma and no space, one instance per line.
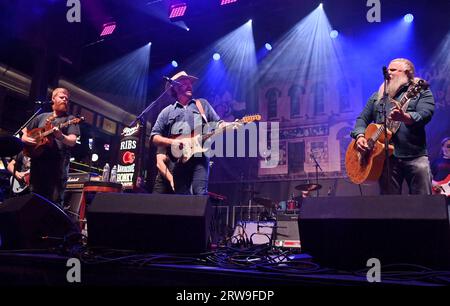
(216,56)
(174,64)
(334,34)
(408,18)
(268,46)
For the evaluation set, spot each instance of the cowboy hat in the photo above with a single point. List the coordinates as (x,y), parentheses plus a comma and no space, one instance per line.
(181,75)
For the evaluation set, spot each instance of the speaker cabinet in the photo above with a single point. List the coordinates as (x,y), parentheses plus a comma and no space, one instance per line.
(286,234)
(344,232)
(33,222)
(149,222)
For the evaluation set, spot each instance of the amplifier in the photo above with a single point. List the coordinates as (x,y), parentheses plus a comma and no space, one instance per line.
(76,180)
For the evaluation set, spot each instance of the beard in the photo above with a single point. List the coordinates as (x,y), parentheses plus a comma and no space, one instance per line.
(60,107)
(393,86)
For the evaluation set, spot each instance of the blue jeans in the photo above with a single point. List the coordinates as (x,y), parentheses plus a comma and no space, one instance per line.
(416,172)
(192,177)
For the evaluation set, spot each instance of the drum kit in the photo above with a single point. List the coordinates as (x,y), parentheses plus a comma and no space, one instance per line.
(289,206)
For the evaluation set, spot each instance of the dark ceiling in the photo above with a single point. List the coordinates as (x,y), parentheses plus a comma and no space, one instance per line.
(30,27)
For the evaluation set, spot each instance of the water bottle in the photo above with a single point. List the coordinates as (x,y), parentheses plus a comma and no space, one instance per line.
(113,178)
(105,176)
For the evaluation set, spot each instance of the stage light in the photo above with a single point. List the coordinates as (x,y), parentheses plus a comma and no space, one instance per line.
(334,34)
(225,2)
(408,18)
(106,147)
(177,10)
(250,21)
(187,29)
(174,64)
(268,46)
(321,5)
(108,28)
(216,56)
(94,157)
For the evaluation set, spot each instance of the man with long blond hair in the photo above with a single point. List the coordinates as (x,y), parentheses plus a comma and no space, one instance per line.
(410,159)
(49,171)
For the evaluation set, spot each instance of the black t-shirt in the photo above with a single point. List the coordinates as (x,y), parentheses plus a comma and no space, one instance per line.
(59,149)
(22,162)
(440,168)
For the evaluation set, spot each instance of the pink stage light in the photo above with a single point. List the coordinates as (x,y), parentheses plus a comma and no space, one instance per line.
(177,10)
(108,28)
(225,2)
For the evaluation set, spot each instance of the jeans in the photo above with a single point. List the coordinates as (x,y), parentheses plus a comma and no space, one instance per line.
(192,176)
(416,172)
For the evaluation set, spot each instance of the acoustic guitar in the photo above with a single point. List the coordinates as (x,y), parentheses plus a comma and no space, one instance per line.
(44,137)
(368,166)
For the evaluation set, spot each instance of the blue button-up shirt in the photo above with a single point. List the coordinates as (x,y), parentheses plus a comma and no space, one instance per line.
(172,118)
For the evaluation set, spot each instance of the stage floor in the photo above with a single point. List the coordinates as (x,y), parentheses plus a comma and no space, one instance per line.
(224,268)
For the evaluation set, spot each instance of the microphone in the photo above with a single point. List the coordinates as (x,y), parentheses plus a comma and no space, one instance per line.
(171,81)
(43,102)
(385,73)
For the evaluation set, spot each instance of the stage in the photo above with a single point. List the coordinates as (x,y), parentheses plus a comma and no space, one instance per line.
(181,271)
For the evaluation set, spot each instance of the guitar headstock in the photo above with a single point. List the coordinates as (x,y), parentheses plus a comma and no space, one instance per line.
(250,118)
(416,87)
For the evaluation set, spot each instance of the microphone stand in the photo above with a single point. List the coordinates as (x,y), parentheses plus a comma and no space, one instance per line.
(316,164)
(385,127)
(141,118)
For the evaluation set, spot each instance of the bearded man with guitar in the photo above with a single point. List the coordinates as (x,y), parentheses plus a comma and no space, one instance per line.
(50,154)
(185,115)
(411,107)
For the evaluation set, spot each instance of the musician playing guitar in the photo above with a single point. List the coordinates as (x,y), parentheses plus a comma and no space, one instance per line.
(410,158)
(440,168)
(21,163)
(49,170)
(182,117)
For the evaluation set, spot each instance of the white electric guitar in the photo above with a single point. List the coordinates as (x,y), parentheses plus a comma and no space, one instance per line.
(193,145)
(442,187)
(19,186)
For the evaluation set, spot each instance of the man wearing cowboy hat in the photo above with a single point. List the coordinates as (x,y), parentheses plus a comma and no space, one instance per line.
(186,114)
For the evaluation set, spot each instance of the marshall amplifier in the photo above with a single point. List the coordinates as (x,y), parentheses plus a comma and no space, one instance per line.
(76,181)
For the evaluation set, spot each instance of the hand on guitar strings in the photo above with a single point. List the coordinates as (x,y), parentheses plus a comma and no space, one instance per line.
(58,134)
(361,144)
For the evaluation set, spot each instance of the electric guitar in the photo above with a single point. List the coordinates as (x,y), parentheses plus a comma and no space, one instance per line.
(442,187)
(43,137)
(19,186)
(368,166)
(190,145)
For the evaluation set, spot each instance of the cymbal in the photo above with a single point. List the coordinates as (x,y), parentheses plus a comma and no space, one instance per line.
(10,146)
(308,187)
(266,202)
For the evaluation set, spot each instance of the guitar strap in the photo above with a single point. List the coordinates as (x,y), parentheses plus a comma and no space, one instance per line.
(200,109)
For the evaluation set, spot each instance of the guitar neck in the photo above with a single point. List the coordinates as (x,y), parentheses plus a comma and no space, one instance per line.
(59,126)
(218,131)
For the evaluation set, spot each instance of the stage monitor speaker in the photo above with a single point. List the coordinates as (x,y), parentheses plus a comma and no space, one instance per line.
(33,222)
(149,222)
(344,232)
